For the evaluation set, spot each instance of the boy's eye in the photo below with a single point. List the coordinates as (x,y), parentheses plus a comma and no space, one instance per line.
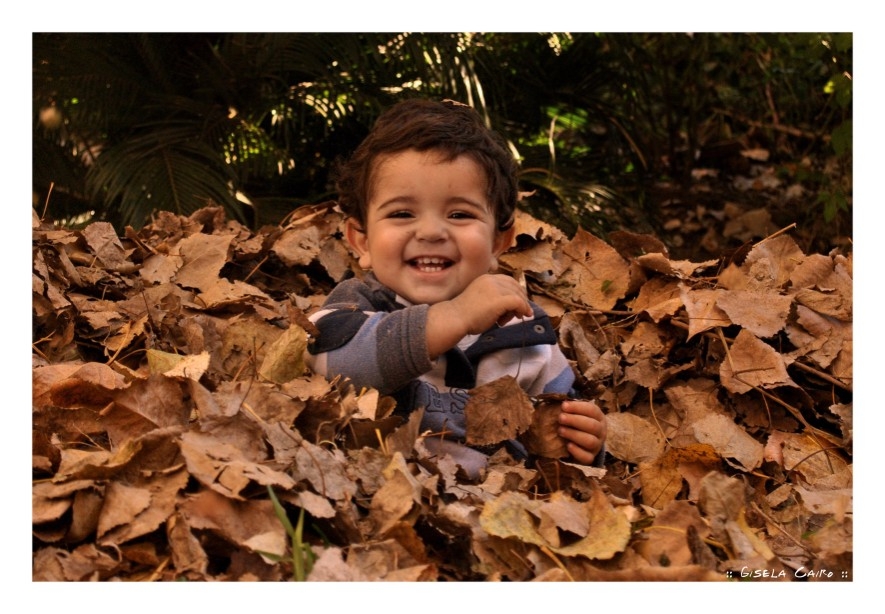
(399,214)
(461,215)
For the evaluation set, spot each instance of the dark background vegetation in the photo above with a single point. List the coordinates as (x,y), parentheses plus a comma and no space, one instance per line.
(610,127)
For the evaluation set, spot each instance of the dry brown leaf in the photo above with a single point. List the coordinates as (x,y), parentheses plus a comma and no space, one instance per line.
(761,312)
(662,479)
(702,309)
(680,269)
(396,497)
(645,341)
(387,560)
(633,439)
(573,336)
(49,501)
(299,246)
(177,365)
(667,542)
(325,470)
(722,497)
(160,268)
(251,524)
(835,304)
(223,293)
(245,342)
(202,257)
(836,503)
(497,411)
(129,512)
(597,275)
(819,466)
(820,338)
(91,385)
(104,243)
(750,363)
(542,437)
(223,468)
(632,245)
(729,440)
(771,262)
(659,297)
(330,566)
(284,360)
(513,515)
(156,402)
(541,260)
(85,514)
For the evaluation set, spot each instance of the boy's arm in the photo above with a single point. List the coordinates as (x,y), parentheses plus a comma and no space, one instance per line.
(371,347)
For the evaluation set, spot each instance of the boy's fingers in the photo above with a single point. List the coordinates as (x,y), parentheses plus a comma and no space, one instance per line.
(574,414)
(582,455)
(505,318)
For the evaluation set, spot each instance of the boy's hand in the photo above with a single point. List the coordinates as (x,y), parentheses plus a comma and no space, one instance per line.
(582,423)
(489,299)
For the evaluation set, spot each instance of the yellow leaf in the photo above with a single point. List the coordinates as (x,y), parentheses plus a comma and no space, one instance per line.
(516,516)
(284,360)
(177,365)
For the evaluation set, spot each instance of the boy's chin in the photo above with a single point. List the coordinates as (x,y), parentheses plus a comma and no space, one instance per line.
(423,296)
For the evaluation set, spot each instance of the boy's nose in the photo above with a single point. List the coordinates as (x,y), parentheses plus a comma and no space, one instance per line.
(430,230)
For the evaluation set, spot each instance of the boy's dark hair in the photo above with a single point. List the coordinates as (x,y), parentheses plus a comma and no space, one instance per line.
(448,127)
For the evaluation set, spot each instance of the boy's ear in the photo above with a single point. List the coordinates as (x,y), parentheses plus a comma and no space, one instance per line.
(504,240)
(359,241)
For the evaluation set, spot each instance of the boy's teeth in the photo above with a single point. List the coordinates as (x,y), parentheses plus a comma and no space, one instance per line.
(430,264)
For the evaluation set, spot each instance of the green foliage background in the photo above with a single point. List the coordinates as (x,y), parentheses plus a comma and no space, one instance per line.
(128,124)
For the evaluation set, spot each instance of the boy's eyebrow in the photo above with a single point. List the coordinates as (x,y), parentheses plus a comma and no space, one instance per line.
(484,206)
(397,200)
(455,200)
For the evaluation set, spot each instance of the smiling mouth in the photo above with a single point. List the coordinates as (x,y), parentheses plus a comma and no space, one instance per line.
(430,265)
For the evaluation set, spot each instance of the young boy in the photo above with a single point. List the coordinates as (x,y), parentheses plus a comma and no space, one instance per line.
(430,196)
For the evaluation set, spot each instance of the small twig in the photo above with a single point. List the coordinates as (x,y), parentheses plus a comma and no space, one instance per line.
(662,527)
(251,411)
(382,444)
(806,457)
(768,413)
(127,338)
(556,560)
(46,204)
(319,469)
(546,480)
(37,350)
(777,526)
(147,309)
(778,127)
(255,268)
(654,415)
(159,570)
(824,376)
(776,234)
(536,289)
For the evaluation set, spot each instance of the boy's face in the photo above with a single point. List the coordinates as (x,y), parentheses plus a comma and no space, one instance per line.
(430,229)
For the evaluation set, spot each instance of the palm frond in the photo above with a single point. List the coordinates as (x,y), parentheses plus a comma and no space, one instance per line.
(156,171)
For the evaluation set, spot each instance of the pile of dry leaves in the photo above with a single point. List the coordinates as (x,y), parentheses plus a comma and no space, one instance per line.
(178,435)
